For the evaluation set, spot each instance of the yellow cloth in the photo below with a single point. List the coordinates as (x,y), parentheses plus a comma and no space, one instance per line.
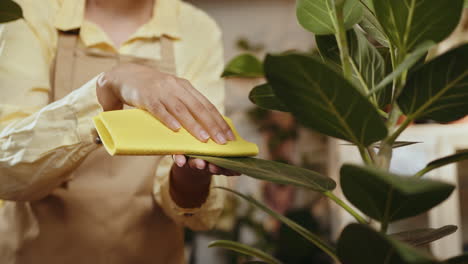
(41,142)
(137,132)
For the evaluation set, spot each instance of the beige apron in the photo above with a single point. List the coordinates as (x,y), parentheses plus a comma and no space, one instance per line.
(106,213)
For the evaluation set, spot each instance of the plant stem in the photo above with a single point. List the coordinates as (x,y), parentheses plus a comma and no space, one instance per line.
(365,155)
(384,227)
(345,206)
(400,130)
(422,172)
(372,154)
(340,35)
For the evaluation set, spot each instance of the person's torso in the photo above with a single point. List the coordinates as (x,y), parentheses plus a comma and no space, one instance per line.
(105,212)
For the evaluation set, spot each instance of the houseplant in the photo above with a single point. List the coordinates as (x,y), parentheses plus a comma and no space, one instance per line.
(357,91)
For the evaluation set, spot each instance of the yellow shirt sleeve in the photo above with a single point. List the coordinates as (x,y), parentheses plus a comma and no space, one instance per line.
(39,142)
(200,60)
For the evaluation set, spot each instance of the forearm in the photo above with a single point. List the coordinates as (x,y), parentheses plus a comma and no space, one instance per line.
(38,151)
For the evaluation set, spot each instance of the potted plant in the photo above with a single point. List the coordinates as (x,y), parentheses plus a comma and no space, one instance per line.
(372,68)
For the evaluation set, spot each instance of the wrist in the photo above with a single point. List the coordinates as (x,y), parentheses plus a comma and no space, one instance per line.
(106,93)
(189,189)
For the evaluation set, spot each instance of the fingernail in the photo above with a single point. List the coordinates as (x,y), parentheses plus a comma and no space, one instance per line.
(175,125)
(179,161)
(213,168)
(204,135)
(220,138)
(231,136)
(101,80)
(200,165)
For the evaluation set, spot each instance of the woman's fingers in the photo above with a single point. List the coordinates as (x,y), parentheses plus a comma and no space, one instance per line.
(157,109)
(197,164)
(201,165)
(203,116)
(180,160)
(179,110)
(212,111)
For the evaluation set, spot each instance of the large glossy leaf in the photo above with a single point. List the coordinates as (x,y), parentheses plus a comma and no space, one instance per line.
(314,239)
(9,11)
(463,259)
(420,237)
(245,65)
(244,249)
(408,23)
(317,16)
(409,61)
(460,156)
(264,97)
(388,197)
(275,172)
(368,63)
(359,244)
(322,99)
(371,25)
(438,90)
(397,144)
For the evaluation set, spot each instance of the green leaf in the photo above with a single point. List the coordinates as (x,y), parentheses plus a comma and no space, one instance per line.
(371,26)
(322,99)
(275,172)
(316,240)
(368,4)
(245,65)
(264,97)
(410,60)
(420,237)
(438,90)
(244,249)
(400,144)
(360,244)
(389,197)
(463,259)
(460,156)
(317,16)
(397,144)
(367,62)
(408,23)
(328,48)
(10,11)
(369,66)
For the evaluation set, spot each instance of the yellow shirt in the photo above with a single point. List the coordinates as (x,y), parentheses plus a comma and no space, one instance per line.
(36,138)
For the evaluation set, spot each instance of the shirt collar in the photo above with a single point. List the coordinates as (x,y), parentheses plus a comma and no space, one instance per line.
(164,21)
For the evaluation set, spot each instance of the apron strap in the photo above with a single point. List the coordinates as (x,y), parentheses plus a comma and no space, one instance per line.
(68,51)
(64,64)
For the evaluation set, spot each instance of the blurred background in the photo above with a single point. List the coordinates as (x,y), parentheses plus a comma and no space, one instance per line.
(261,26)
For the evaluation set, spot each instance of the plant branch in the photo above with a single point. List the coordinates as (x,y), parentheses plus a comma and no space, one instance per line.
(372,154)
(340,34)
(365,155)
(345,206)
(400,130)
(422,172)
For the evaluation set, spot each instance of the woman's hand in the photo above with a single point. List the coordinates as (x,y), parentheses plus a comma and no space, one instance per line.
(191,178)
(174,101)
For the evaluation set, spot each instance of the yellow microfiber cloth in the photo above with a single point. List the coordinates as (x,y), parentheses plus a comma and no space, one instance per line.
(137,132)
